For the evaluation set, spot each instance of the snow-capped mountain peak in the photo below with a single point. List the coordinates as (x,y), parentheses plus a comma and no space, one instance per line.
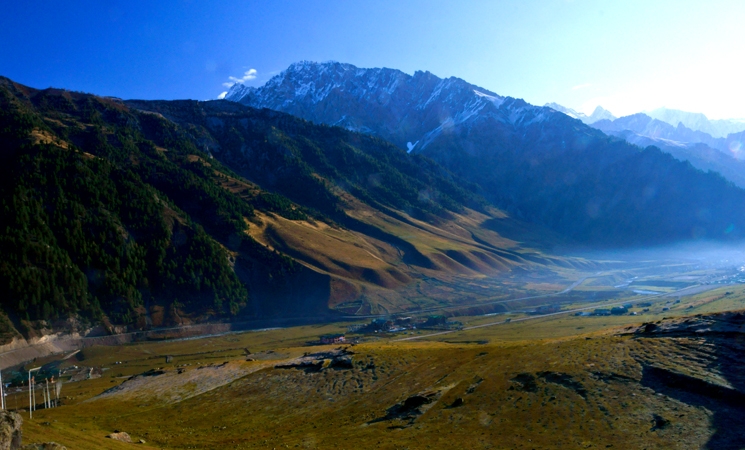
(598,114)
(399,107)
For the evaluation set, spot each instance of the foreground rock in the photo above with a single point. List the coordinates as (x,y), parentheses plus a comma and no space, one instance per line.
(11,436)
(10,430)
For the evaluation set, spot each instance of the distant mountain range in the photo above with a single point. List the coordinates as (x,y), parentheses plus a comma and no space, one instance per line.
(698,122)
(645,125)
(687,136)
(536,162)
(692,122)
(598,114)
(703,151)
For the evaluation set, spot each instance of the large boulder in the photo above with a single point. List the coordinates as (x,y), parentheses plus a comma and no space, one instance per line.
(120,436)
(10,430)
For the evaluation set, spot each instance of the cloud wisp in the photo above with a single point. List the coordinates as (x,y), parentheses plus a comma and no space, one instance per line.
(247,76)
(580,86)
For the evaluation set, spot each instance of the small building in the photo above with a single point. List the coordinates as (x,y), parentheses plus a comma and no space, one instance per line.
(332,338)
(601,312)
(434,321)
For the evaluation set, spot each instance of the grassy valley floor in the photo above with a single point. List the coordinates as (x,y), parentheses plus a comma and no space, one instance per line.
(661,380)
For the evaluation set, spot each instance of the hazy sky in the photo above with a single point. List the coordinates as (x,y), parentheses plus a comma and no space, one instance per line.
(627,56)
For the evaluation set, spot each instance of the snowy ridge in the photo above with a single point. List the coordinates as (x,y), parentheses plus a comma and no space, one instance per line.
(389,103)
(238,91)
(497,100)
(598,114)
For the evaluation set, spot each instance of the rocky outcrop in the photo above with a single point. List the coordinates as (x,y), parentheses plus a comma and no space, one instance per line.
(338,359)
(11,434)
(10,430)
(729,323)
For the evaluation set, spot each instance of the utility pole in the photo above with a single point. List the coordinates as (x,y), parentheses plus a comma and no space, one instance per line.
(2,391)
(31,393)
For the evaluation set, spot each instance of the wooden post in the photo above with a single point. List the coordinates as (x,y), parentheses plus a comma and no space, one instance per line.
(59,389)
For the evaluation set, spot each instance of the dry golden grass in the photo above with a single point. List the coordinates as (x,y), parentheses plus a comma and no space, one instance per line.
(551,394)
(547,382)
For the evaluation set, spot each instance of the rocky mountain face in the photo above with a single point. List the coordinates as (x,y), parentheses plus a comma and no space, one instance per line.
(540,164)
(408,111)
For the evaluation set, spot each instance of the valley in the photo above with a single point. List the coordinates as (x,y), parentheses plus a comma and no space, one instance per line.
(372,225)
(662,378)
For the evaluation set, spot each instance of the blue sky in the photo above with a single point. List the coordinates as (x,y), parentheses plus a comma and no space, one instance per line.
(627,55)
